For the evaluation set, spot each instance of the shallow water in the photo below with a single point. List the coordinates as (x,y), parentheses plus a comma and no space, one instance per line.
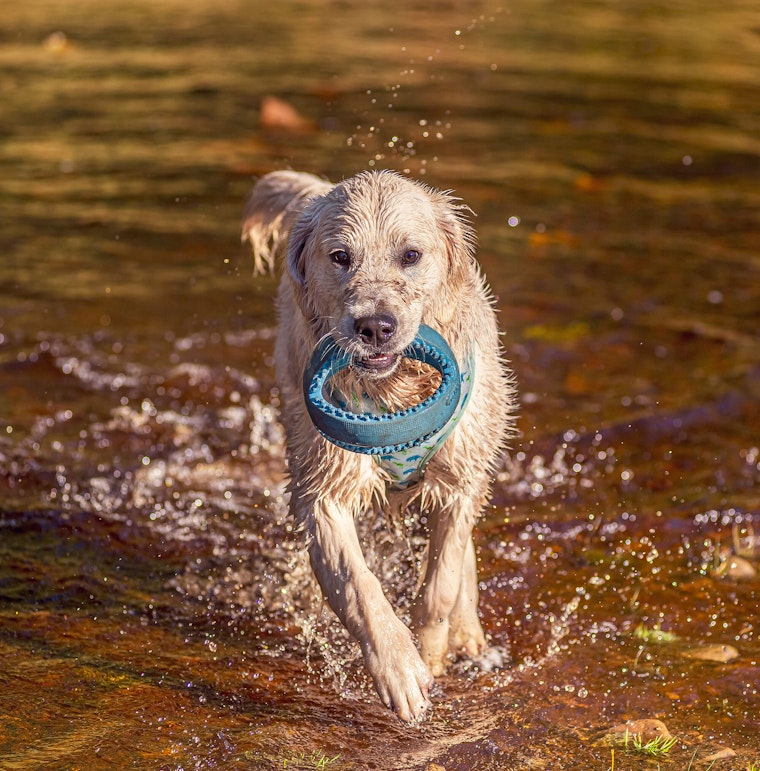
(155,610)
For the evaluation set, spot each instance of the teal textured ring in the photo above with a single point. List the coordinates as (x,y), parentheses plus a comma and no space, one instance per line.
(382,434)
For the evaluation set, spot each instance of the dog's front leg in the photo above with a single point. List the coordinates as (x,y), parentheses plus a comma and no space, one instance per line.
(440,600)
(354,593)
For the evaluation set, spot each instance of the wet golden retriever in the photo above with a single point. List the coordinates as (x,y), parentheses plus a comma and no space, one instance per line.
(366,262)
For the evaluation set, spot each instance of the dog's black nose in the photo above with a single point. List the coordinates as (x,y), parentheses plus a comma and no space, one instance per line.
(375,330)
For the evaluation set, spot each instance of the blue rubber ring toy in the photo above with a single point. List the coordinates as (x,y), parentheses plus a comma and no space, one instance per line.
(382,434)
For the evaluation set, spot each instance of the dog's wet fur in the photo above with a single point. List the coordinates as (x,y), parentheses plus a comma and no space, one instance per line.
(366,262)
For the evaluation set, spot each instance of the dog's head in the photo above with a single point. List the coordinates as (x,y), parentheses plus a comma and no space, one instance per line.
(375,257)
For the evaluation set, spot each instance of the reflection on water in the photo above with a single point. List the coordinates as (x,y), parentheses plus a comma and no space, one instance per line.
(155,608)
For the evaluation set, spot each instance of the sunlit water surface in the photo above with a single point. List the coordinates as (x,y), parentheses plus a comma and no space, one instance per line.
(155,607)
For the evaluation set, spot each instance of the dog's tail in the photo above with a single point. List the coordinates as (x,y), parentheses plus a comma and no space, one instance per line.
(273,206)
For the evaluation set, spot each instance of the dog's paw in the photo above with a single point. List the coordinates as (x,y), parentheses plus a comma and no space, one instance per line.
(402,679)
(491,659)
(433,640)
(467,640)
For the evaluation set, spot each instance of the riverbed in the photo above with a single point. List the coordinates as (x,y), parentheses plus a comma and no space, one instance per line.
(156,610)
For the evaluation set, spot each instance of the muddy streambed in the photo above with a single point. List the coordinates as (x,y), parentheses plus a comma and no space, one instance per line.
(155,609)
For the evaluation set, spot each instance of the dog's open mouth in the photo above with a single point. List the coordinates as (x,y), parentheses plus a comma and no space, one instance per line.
(378,364)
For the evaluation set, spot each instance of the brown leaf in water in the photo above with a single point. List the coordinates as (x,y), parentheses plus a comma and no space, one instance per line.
(56,42)
(586,183)
(549,237)
(278,115)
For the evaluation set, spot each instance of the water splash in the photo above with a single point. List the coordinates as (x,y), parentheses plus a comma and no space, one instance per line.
(380,133)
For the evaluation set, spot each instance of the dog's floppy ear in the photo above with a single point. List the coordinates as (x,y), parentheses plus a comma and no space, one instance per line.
(458,234)
(300,246)
(298,242)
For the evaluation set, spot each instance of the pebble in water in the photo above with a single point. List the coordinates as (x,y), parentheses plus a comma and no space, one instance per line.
(647,729)
(721,654)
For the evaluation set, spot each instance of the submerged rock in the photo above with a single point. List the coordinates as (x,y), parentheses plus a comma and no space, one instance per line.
(740,569)
(734,567)
(647,729)
(721,654)
(724,754)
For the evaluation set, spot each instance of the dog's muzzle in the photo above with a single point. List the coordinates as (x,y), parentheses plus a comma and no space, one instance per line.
(376,332)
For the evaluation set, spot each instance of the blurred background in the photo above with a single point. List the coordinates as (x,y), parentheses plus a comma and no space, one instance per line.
(154,607)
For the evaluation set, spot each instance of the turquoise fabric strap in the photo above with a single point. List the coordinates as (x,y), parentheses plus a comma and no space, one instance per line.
(406,467)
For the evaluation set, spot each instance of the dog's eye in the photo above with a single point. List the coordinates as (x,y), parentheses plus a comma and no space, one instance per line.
(410,257)
(340,257)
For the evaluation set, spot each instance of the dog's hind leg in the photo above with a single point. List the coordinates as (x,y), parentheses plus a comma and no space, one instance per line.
(449,556)
(465,632)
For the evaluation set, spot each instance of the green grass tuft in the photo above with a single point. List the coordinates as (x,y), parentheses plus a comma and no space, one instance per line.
(294,761)
(654,635)
(317,761)
(655,748)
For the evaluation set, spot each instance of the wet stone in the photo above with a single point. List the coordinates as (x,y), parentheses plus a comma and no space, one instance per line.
(725,754)
(647,729)
(740,569)
(721,654)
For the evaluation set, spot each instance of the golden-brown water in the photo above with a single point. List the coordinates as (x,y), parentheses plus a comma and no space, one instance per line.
(154,607)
